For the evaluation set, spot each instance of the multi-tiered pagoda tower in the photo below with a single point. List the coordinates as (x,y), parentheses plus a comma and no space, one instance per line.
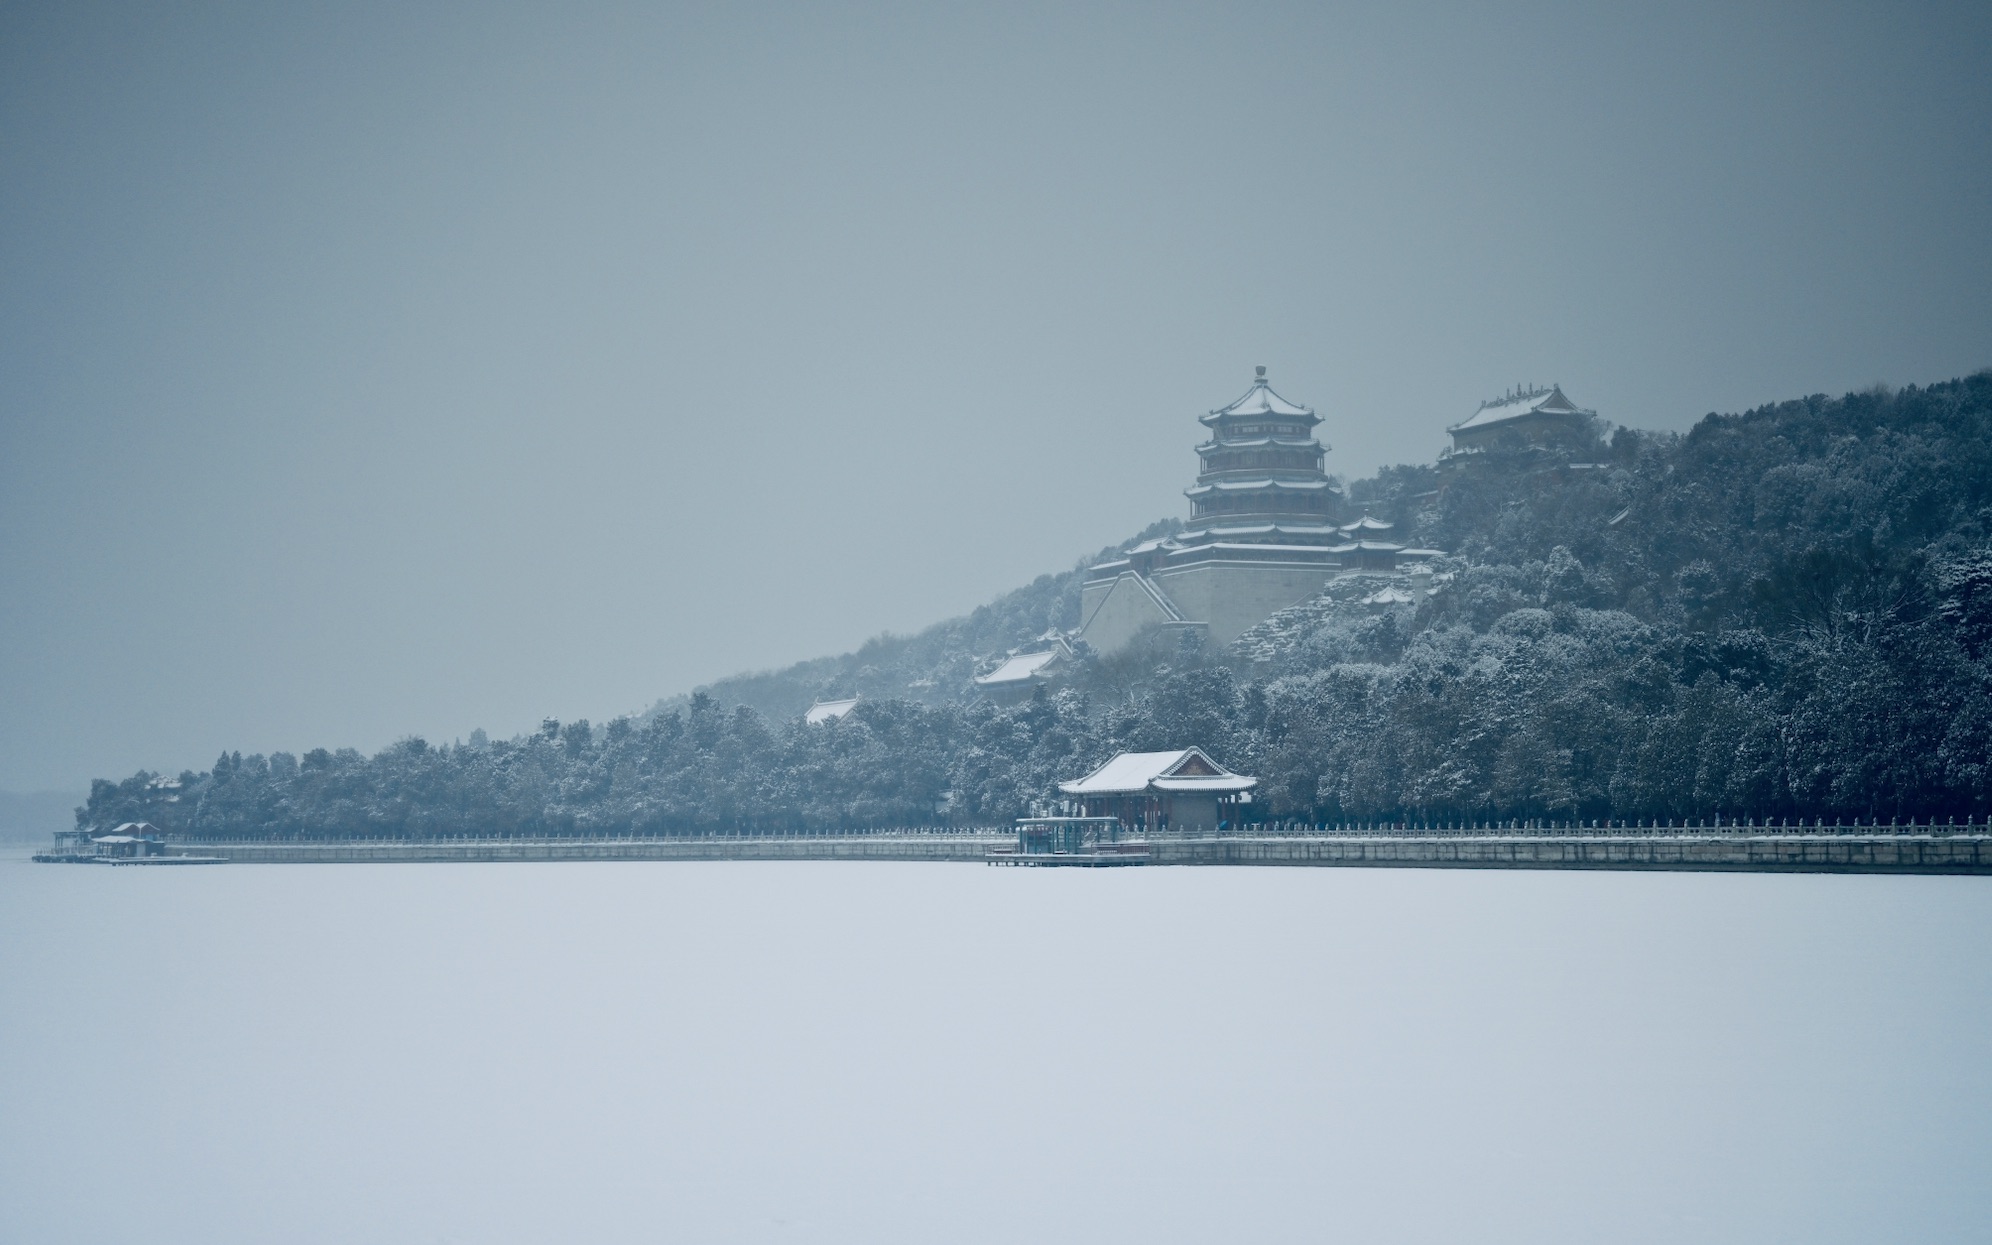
(1262,533)
(1261,478)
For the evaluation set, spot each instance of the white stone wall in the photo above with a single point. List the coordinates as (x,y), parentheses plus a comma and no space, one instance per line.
(1232,596)
(1114,611)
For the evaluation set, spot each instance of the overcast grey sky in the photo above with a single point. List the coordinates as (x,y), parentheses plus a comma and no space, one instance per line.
(374,370)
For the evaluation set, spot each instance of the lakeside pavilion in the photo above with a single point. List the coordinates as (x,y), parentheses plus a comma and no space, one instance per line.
(1148,791)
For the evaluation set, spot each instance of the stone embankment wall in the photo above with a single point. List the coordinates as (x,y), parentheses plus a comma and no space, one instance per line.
(1822,850)
(867,847)
(1769,853)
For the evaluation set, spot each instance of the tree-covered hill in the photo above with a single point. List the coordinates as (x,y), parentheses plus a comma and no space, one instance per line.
(1782,613)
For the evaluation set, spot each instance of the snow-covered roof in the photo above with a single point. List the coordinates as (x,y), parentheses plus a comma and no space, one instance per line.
(133,829)
(1548,401)
(1367,524)
(1260,400)
(1389,596)
(1253,443)
(1019,669)
(829,710)
(1252,546)
(1186,769)
(1237,486)
(1421,553)
(1258,529)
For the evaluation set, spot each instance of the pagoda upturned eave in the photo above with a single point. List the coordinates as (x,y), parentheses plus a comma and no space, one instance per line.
(1261,402)
(1260,443)
(1255,484)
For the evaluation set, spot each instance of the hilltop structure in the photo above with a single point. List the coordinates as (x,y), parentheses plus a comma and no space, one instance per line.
(1525,415)
(1262,534)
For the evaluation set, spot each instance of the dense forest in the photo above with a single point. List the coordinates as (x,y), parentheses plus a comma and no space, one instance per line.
(1783,613)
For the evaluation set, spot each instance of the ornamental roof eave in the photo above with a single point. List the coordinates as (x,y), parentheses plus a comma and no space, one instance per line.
(1368,523)
(1215,529)
(1249,486)
(1236,782)
(1213,419)
(1253,443)
(1268,547)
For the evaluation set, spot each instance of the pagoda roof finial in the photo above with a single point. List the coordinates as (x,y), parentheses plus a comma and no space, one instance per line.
(1261,370)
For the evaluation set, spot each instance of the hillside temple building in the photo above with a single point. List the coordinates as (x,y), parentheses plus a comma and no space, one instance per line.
(1262,533)
(1525,415)
(1266,531)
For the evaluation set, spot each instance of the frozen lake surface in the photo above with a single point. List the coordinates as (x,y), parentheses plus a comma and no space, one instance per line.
(945,1053)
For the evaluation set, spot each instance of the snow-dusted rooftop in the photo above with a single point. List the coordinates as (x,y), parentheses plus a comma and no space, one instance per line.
(1254,443)
(1368,524)
(1389,596)
(1255,529)
(829,710)
(1186,769)
(1548,401)
(1235,486)
(1018,669)
(1260,400)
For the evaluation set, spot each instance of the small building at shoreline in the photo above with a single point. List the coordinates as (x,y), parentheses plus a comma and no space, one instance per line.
(1149,791)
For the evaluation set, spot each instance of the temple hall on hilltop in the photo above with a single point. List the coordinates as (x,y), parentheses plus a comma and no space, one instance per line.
(1525,415)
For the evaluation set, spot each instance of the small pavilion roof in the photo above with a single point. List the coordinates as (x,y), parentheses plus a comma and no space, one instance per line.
(1186,769)
(829,710)
(1548,401)
(1019,669)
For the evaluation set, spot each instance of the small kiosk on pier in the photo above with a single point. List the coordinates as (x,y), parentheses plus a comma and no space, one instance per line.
(1081,841)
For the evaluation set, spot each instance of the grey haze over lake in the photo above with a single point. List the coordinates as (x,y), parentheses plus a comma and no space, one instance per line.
(368,370)
(885,1053)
